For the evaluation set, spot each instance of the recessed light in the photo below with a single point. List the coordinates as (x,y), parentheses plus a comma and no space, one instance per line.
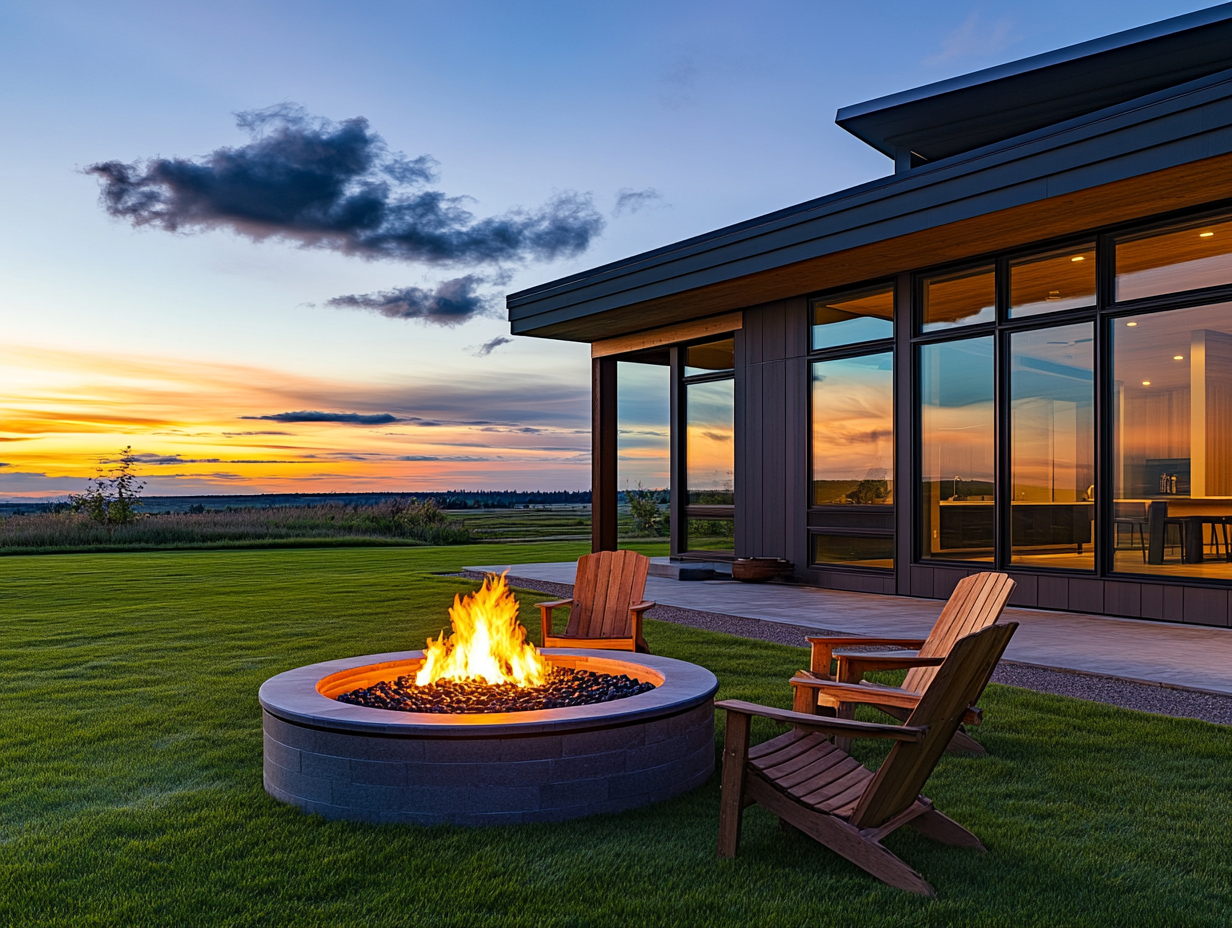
(1078,258)
(1205,234)
(1178,357)
(1131,324)
(1146,383)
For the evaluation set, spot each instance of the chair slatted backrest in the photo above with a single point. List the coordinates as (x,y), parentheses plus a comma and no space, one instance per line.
(898,781)
(977,602)
(607,584)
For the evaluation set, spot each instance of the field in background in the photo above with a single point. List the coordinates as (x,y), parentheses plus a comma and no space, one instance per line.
(385,522)
(131,755)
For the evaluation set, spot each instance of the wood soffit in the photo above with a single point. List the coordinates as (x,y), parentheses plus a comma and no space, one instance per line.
(1180,187)
(667,335)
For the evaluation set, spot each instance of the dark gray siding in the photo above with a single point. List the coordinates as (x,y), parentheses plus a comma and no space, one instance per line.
(772,432)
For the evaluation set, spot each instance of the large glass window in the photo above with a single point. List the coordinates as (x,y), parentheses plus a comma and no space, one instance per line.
(1051,282)
(1172,442)
(710,456)
(959,298)
(957,442)
(1052,447)
(1188,257)
(853,431)
(853,461)
(850,318)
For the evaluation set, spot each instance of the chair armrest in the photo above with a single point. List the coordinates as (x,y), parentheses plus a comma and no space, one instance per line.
(545,612)
(857,641)
(823,647)
(855,693)
(847,728)
(874,695)
(635,624)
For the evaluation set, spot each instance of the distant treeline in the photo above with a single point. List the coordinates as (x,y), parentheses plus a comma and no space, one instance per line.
(451,499)
(392,521)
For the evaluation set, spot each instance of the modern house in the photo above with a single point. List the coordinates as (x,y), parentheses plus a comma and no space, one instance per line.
(1014,351)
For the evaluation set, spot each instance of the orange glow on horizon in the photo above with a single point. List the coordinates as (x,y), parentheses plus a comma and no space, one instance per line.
(204,428)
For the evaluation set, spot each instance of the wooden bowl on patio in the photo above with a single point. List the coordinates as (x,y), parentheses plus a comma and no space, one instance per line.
(759,569)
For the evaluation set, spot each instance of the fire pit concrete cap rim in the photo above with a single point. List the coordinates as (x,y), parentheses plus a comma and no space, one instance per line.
(293,697)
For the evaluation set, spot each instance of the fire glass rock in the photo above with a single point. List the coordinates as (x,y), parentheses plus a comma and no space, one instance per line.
(565,687)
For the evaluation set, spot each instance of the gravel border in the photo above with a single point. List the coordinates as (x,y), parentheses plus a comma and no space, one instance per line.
(1159,699)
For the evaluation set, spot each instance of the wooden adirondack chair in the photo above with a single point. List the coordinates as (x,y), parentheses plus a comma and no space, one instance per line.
(977,602)
(810,783)
(607,604)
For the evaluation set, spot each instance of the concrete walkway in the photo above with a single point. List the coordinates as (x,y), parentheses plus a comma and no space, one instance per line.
(1151,652)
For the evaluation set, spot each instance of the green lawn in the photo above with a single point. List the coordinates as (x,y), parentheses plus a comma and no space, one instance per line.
(130,778)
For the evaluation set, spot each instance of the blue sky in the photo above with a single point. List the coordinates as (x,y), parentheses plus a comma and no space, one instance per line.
(178,343)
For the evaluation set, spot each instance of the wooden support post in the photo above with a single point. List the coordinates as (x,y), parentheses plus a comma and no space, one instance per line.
(603,455)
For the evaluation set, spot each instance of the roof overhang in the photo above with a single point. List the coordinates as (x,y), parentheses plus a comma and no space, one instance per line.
(968,112)
(1169,150)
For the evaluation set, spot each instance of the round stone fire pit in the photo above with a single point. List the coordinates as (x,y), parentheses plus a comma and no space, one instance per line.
(377,765)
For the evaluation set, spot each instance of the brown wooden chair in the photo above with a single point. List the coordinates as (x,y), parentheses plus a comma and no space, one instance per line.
(815,786)
(607,604)
(976,603)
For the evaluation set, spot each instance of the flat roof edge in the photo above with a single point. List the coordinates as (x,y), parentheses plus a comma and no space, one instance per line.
(1203,91)
(1108,43)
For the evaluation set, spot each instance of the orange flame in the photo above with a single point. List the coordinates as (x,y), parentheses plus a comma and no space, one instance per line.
(488,643)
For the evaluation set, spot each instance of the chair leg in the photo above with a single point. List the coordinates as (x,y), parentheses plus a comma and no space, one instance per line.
(945,830)
(964,743)
(846,710)
(840,837)
(735,773)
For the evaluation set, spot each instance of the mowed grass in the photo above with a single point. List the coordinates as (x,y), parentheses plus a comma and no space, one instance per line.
(130,778)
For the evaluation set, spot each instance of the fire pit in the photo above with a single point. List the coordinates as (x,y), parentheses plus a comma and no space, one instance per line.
(478,766)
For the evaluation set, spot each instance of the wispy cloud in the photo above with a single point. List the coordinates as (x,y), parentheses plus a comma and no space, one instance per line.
(631,201)
(450,303)
(973,37)
(488,347)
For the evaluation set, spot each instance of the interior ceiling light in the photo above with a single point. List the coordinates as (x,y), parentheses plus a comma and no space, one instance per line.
(1205,234)
(1178,357)
(1146,383)
(1131,324)
(1078,258)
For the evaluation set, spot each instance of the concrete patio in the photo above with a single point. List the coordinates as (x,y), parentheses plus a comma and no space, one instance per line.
(1188,656)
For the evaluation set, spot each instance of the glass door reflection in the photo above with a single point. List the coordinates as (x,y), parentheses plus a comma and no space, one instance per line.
(957,450)
(710,459)
(1052,447)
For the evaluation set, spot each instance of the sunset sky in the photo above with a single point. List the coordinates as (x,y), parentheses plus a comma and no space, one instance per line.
(241,349)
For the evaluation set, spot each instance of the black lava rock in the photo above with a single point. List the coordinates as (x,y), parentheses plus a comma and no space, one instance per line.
(563,688)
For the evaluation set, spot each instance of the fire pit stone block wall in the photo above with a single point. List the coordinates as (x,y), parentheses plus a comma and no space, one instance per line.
(349,762)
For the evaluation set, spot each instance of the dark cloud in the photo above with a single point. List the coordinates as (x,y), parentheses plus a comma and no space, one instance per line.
(452,302)
(336,186)
(629,200)
(312,415)
(488,347)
